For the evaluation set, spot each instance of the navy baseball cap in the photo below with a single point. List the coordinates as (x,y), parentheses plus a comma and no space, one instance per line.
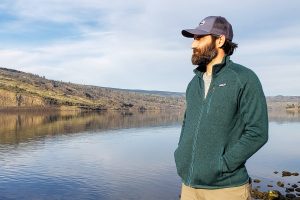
(216,25)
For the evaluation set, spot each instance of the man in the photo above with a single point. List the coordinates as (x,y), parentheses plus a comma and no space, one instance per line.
(225,120)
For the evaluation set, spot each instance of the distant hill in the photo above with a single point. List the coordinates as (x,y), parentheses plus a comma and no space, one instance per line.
(30,91)
(279,102)
(20,90)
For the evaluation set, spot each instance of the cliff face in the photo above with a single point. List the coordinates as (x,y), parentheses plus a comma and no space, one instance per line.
(13,99)
(20,90)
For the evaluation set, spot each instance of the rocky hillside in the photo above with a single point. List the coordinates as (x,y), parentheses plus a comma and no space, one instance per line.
(20,90)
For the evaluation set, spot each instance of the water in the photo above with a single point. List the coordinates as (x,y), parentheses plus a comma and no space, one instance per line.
(116,155)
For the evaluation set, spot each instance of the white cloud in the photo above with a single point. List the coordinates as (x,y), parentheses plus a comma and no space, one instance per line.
(138,44)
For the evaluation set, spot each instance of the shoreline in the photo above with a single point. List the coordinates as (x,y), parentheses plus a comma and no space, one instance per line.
(283,189)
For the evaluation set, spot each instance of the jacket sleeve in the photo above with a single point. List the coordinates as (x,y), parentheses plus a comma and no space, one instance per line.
(182,127)
(254,114)
(185,112)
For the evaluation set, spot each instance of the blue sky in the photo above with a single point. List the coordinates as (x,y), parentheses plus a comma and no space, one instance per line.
(138,45)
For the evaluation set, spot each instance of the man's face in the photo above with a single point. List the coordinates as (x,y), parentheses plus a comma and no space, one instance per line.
(204,50)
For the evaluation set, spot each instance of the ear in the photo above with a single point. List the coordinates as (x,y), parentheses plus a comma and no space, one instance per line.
(220,41)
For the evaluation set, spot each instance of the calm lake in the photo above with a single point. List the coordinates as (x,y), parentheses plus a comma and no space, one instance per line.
(117,155)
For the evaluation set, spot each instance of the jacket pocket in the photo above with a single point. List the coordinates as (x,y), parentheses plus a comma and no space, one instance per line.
(181,162)
(222,165)
(206,169)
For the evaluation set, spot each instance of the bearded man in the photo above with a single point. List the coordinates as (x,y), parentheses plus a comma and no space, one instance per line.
(225,121)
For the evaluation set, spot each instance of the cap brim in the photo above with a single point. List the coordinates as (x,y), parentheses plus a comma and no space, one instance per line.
(190,33)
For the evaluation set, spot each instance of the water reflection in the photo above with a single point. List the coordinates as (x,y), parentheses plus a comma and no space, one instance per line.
(283,116)
(67,155)
(24,126)
(21,127)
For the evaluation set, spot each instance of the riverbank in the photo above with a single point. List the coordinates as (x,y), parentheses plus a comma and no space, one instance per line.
(281,189)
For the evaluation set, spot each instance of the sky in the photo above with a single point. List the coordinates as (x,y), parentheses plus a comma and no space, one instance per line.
(138,44)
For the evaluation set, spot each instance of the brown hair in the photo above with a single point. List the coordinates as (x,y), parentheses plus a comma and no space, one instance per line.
(228,45)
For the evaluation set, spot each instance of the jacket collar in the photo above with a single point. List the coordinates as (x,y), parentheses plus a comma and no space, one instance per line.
(216,68)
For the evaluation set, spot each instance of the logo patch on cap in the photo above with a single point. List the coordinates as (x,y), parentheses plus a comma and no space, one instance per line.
(202,22)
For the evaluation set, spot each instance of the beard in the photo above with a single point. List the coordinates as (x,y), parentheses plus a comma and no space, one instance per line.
(204,55)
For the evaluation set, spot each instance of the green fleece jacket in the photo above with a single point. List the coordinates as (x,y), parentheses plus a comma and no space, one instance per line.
(220,132)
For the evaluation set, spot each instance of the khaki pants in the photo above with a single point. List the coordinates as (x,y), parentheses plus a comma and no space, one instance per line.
(233,193)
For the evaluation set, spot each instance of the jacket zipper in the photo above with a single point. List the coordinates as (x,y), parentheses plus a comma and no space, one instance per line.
(208,106)
(193,150)
(204,99)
